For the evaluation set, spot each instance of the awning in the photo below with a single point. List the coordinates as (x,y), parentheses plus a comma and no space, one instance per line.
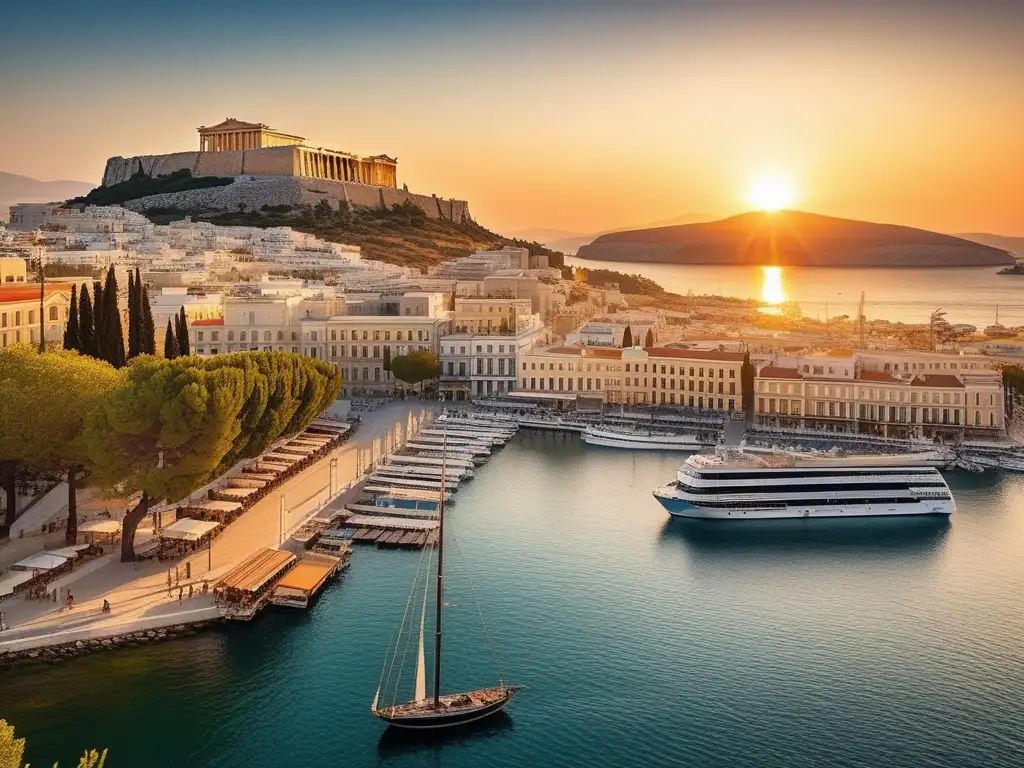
(256,570)
(68,552)
(531,395)
(43,561)
(188,529)
(13,580)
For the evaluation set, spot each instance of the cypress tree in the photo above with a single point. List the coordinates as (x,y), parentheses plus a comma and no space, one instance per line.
(99,324)
(86,324)
(71,337)
(171,350)
(148,329)
(183,345)
(133,319)
(112,322)
(627,338)
(649,340)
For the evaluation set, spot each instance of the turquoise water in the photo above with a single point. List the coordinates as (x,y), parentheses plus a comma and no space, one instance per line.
(643,641)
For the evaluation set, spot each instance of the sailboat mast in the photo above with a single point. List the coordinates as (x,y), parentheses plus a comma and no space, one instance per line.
(439,598)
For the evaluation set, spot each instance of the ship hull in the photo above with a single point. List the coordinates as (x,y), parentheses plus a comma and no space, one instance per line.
(682,508)
(646,444)
(430,719)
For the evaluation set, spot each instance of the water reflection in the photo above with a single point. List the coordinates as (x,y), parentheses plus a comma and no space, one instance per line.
(396,743)
(897,536)
(772,291)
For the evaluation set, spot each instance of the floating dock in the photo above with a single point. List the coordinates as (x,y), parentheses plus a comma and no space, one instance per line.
(303,583)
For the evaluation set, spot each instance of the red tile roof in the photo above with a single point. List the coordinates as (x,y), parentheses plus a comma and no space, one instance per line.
(209,321)
(936,380)
(21,292)
(877,376)
(772,372)
(695,354)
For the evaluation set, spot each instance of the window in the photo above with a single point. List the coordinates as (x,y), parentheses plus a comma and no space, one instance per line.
(231,335)
(53,313)
(280,335)
(365,337)
(199,335)
(312,336)
(366,352)
(376,335)
(343,333)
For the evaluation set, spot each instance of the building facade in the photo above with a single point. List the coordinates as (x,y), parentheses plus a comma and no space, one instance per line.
(846,396)
(638,376)
(19,313)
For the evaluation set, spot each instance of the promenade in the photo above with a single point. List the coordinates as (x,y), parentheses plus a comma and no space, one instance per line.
(138,592)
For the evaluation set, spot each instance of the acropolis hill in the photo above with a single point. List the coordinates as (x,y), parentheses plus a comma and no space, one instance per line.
(273,168)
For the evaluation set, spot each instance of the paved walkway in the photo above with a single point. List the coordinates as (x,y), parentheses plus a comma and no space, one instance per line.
(138,592)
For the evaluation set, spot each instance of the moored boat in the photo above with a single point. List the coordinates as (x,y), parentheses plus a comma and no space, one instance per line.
(640,440)
(737,485)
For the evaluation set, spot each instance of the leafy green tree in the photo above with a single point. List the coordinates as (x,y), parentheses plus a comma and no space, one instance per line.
(171,350)
(415,367)
(113,345)
(649,339)
(148,327)
(182,329)
(86,324)
(71,336)
(627,338)
(47,398)
(163,434)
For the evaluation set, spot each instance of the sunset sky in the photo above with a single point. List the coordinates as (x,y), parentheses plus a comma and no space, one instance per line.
(575,115)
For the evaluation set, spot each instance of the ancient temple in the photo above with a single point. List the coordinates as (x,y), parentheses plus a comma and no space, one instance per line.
(234,134)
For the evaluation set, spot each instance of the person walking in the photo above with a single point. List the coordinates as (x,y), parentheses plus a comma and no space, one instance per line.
(71,601)
(181,592)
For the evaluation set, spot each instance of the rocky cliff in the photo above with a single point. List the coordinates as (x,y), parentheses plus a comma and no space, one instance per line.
(793,238)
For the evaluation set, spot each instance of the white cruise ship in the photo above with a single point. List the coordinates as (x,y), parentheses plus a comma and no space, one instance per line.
(641,441)
(735,485)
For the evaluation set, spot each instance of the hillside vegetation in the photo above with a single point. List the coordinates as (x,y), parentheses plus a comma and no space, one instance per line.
(402,234)
(142,185)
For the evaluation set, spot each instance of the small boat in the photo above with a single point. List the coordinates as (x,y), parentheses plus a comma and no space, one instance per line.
(437,710)
(640,440)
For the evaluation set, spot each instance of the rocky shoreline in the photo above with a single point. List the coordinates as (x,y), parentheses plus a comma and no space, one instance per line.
(54,654)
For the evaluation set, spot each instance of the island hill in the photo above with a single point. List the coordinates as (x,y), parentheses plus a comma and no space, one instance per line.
(793,238)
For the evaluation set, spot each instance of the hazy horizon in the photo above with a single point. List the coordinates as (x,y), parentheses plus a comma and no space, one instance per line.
(568,115)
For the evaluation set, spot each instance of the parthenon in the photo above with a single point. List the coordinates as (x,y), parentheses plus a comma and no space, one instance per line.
(312,162)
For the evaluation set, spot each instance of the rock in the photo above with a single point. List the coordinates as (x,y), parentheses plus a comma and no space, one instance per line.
(33,654)
(80,644)
(151,633)
(107,641)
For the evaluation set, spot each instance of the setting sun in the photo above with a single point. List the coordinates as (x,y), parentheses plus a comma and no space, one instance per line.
(770,194)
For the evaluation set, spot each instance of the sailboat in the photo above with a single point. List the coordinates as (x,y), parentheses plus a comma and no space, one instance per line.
(440,710)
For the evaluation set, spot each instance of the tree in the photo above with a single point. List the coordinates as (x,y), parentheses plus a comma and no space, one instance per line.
(387,357)
(148,332)
(47,398)
(451,302)
(627,338)
(134,317)
(99,306)
(322,211)
(86,324)
(182,327)
(163,434)
(71,336)
(12,751)
(415,367)
(171,350)
(649,339)
(114,335)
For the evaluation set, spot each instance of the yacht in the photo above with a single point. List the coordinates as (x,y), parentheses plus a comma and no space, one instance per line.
(733,484)
(638,440)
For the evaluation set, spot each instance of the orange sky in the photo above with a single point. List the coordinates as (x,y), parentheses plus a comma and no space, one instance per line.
(575,120)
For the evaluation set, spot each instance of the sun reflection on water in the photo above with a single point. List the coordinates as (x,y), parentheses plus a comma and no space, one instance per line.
(772,292)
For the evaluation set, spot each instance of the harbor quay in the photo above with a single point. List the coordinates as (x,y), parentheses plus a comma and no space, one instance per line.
(151,595)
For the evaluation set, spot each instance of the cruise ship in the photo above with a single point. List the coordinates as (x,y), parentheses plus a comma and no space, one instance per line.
(641,441)
(732,484)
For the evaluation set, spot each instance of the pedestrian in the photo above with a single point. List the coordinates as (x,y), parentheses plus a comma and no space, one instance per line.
(190,590)
(71,601)
(181,592)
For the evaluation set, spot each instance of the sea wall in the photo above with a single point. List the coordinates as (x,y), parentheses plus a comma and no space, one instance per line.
(253,192)
(270,161)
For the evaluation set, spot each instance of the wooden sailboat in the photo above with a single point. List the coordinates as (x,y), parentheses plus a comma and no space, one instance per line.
(440,710)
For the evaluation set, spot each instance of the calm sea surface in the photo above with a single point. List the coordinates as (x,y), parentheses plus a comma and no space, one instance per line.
(968,294)
(644,641)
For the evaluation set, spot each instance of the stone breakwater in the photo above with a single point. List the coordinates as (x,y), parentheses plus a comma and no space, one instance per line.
(251,193)
(54,654)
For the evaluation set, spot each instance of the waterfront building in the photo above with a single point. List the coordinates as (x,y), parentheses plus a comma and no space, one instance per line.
(638,376)
(19,312)
(932,399)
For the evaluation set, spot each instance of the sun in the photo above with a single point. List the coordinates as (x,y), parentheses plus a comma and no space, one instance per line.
(771,194)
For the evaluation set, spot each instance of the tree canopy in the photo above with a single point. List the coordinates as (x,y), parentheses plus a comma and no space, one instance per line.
(415,367)
(627,338)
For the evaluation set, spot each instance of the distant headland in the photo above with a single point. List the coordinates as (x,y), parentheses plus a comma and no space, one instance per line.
(793,238)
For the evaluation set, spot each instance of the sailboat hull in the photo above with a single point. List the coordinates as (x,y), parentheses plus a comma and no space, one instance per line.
(454,710)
